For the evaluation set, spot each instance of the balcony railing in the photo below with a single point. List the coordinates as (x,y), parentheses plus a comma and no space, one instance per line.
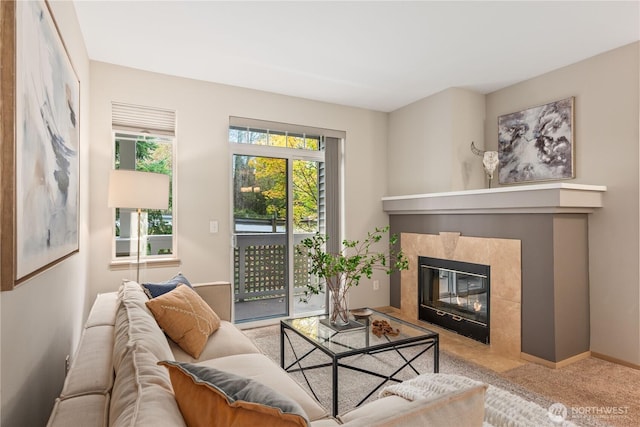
(261,266)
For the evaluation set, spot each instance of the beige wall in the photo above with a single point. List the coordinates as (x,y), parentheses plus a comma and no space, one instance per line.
(203,166)
(42,318)
(606,94)
(467,123)
(429,144)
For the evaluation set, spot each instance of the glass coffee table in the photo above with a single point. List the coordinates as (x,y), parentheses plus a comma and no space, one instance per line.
(361,339)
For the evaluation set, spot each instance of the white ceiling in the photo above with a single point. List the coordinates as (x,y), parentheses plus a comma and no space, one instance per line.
(376,55)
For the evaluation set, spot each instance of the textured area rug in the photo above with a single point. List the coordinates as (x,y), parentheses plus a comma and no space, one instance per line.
(501,407)
(353,385)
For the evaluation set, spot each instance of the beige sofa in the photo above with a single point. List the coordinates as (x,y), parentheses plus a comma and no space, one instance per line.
(115,379)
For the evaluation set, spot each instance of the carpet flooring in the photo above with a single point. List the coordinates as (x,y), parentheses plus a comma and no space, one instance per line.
(590,387)
(353,385)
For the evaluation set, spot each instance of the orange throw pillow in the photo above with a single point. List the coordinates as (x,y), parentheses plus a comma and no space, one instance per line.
(208,397)
(185,317)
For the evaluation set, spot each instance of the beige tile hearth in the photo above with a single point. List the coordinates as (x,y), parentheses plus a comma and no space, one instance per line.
(463,347)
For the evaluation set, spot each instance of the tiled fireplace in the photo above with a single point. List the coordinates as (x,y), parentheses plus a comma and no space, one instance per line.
(501,255)
(535,240)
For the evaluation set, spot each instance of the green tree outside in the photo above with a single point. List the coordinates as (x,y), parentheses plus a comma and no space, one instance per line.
(262,184)
(153,156)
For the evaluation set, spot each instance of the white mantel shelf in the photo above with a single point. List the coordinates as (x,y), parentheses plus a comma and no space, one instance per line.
(541,198)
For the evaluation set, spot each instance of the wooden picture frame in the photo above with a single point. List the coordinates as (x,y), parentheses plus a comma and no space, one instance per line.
(537,144)
(39,224)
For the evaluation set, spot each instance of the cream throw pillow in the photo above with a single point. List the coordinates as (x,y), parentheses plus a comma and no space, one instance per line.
(185,317)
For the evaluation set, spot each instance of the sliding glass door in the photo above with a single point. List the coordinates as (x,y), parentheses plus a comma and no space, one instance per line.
(276,205)
(284,190)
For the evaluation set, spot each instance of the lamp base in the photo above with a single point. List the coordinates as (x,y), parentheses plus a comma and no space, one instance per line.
(137,271)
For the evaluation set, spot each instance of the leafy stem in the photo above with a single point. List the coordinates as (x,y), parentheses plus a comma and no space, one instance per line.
(357,259)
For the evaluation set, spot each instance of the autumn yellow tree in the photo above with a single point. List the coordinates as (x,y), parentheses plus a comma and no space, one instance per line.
(269,177)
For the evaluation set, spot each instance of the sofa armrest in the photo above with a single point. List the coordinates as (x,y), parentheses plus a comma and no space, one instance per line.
(219,297)
(462,408)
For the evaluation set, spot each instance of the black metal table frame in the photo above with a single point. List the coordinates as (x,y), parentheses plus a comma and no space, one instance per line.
(431,341)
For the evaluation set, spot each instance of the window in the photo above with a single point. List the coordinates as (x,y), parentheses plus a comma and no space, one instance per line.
(250,172)
(144,140)
(245,135)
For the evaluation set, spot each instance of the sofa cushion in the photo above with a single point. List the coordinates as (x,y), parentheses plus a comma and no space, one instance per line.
(92,367)
(185,318)
(103,311)
(262,369)
(90,410)
(154,290)
(142,393)
(423,389)
(457,408)
(136,324)
(325,422)
(227,340)
(384,406)
(209,397)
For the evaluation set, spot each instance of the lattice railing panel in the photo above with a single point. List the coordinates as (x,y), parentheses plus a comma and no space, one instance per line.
(260,266)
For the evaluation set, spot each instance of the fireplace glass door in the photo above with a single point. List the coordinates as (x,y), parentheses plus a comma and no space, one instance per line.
(462,294)
(455,295)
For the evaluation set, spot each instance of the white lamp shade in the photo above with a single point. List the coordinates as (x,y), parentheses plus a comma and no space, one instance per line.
(138,190)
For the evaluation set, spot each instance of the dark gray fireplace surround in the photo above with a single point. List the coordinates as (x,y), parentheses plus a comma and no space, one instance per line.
(555,272)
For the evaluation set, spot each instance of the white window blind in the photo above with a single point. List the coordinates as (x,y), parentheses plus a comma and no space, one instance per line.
(137,118)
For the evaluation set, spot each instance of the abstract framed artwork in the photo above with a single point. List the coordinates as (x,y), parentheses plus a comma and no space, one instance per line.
(537,144)
(40,157)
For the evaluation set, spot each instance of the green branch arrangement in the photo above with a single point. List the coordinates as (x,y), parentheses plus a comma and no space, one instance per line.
(357,260)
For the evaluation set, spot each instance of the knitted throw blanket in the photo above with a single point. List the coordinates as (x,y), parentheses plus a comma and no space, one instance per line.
(502,408)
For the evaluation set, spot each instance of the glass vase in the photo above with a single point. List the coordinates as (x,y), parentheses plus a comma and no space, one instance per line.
(339,306)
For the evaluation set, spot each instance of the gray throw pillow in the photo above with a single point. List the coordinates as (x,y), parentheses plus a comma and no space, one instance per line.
(207,396)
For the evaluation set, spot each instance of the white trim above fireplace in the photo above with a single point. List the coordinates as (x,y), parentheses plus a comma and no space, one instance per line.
(542,198)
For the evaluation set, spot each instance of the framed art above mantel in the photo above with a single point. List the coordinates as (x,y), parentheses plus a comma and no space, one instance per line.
(537,144)
(41,139)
